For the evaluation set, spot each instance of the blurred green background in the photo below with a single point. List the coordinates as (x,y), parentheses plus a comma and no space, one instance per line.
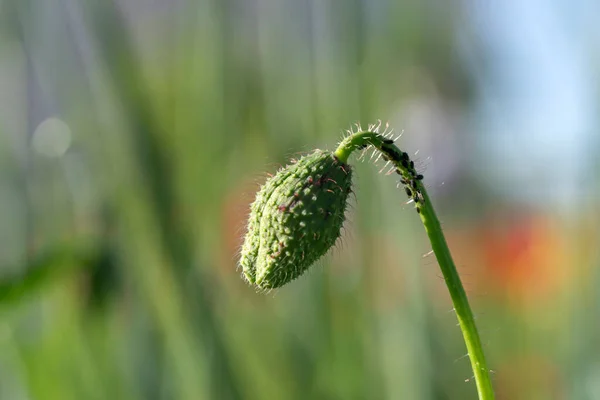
(134,134)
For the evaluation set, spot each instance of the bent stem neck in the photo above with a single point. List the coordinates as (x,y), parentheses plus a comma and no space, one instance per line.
(415,189)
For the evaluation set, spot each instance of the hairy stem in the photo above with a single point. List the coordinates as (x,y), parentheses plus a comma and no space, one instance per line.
(415,189)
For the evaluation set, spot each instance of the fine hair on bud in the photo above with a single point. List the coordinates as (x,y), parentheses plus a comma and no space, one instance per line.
(295,219)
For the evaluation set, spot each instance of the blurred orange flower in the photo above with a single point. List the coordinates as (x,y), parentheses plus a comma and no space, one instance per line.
(524,253)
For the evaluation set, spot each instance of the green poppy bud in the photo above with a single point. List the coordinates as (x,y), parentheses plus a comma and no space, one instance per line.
(296,218)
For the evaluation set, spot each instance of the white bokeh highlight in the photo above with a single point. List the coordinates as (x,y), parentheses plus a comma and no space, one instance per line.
(51,138)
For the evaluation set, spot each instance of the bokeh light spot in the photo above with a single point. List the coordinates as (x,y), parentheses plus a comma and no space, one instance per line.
(52,137)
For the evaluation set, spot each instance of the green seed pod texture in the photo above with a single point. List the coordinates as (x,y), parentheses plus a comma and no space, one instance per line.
(295,219)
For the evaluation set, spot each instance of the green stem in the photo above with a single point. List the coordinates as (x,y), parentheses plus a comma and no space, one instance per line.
(414,185)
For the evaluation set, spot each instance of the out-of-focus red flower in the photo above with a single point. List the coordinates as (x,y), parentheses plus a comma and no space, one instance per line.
(520,255)
(524,254)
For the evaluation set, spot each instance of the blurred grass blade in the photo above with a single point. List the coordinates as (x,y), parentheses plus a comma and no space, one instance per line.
(44,270)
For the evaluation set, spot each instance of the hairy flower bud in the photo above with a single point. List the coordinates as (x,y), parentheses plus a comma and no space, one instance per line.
(296,218)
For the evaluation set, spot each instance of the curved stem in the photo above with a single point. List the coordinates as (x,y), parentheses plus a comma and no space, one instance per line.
(416,190)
